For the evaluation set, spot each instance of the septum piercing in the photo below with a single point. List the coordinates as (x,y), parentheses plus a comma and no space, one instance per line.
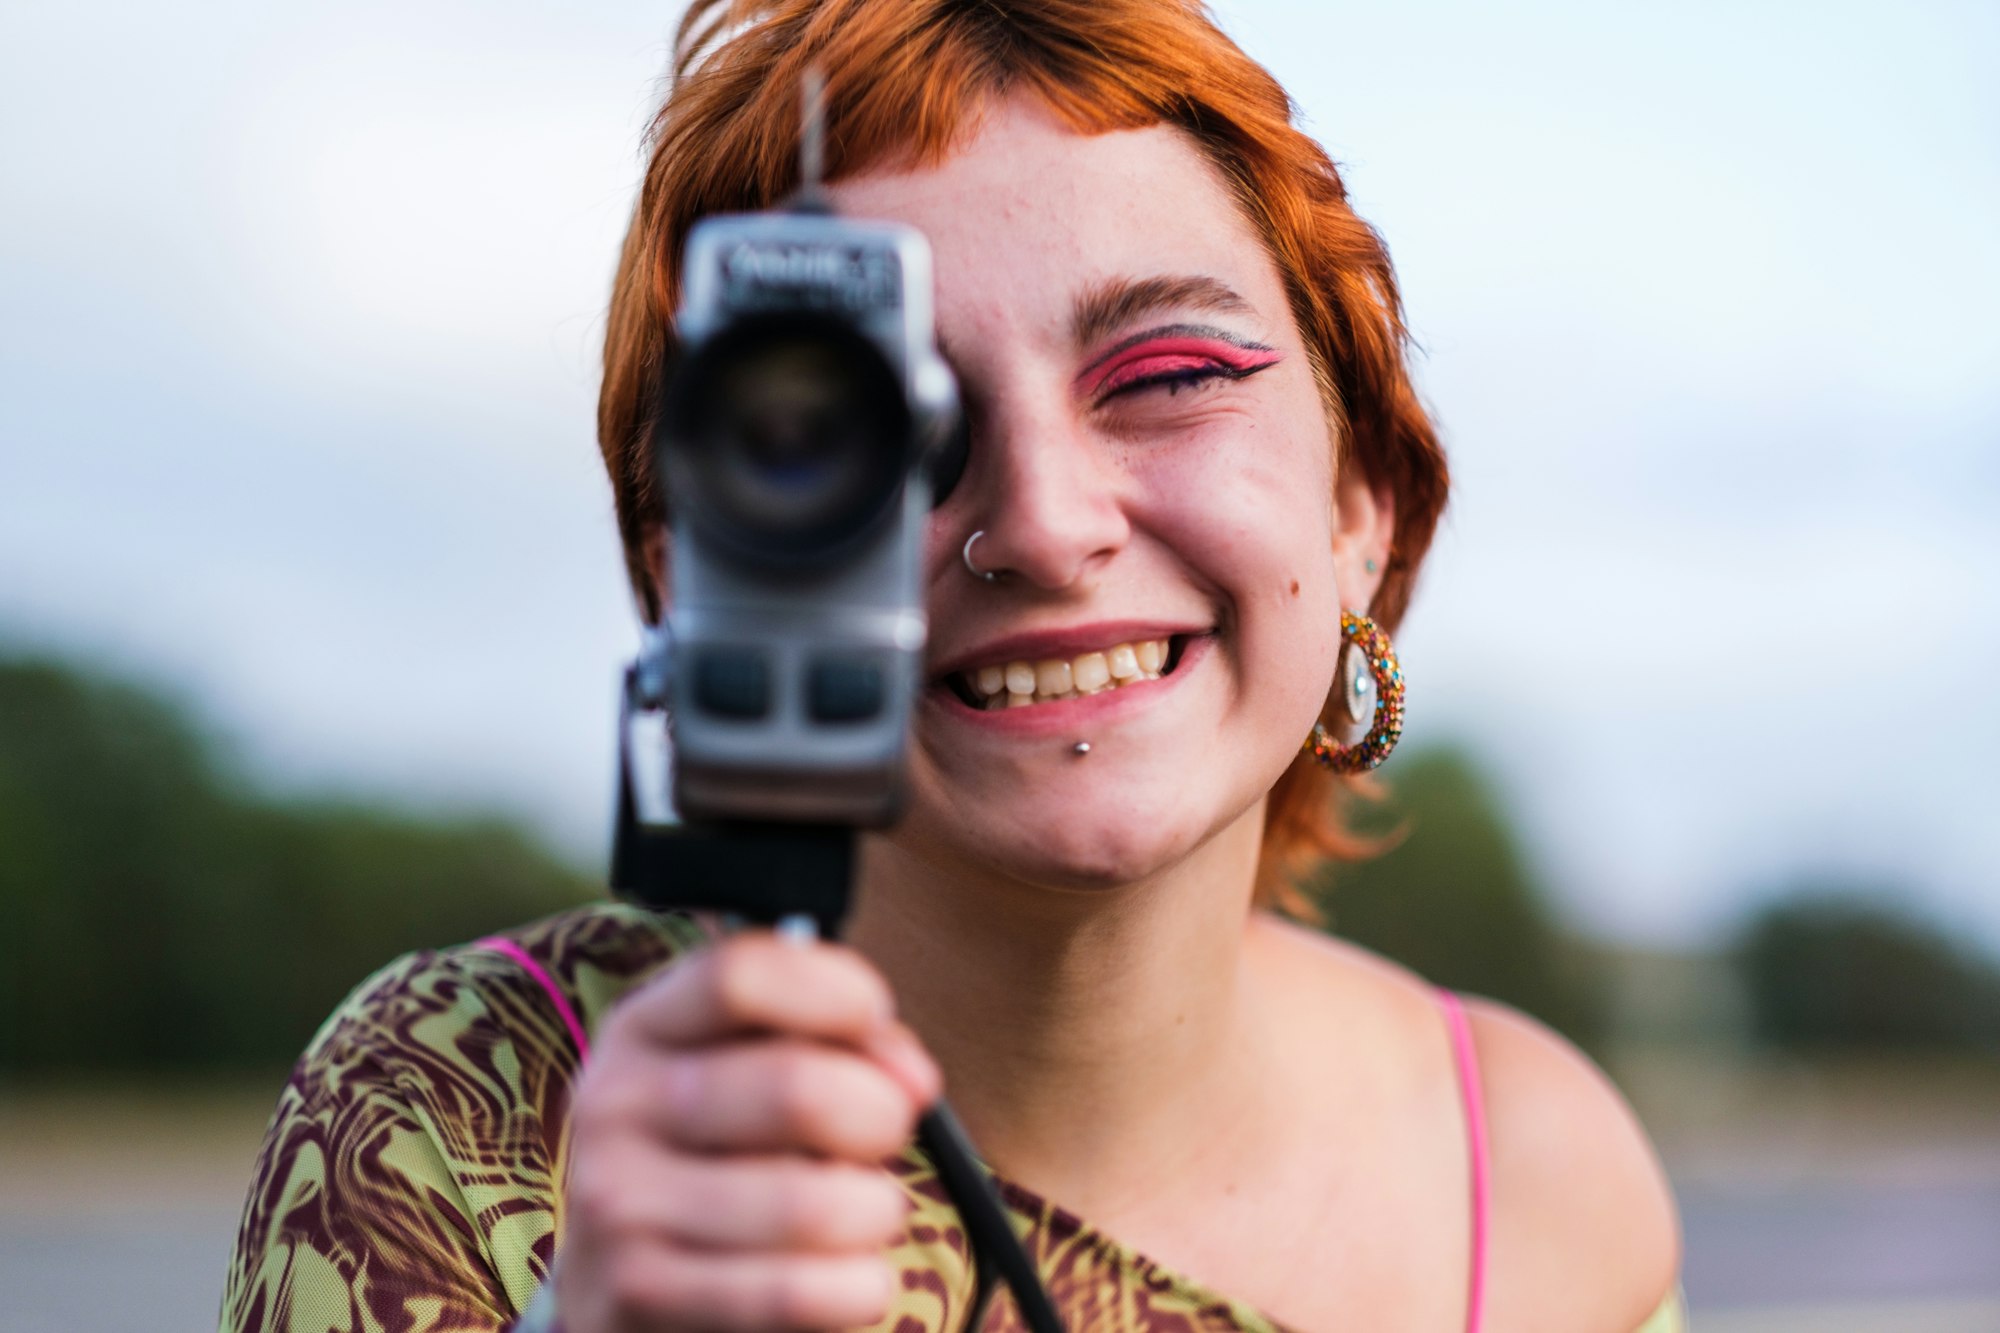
(985,575)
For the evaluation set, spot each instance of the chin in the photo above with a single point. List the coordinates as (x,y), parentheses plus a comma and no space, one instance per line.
(1080,845)
(1096,866)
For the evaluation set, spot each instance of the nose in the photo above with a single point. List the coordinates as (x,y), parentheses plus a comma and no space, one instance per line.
(1049,496)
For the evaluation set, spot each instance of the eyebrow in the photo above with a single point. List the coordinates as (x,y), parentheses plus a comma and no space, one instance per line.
(1110,305)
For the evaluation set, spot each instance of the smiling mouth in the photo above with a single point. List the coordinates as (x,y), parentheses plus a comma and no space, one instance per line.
(1023,684)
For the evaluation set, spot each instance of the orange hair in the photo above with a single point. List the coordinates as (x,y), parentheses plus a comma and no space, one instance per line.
(905,83)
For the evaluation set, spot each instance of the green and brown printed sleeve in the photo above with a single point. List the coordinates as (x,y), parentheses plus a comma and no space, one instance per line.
(410,1180)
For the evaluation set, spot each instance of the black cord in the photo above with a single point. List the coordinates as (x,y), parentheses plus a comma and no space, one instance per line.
(990,1235)
(982,1295)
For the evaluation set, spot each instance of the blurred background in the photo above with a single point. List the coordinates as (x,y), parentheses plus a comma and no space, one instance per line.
(311,606)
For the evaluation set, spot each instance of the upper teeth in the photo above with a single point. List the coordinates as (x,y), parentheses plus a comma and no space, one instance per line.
(1018,684)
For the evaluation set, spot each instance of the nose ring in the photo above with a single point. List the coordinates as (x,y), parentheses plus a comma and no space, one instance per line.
(987,575)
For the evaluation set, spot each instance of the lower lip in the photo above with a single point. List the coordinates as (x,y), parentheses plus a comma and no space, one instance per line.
(1067,715)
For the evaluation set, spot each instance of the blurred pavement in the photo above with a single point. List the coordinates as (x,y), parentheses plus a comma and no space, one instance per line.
(1812,1202)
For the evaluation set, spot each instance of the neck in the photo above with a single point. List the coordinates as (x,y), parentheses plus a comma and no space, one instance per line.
(1089,1038)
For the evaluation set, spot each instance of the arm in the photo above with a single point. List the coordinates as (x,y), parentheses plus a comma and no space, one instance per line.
(1671,1317)
(360,1213)
(1585,1232)
(418,1170)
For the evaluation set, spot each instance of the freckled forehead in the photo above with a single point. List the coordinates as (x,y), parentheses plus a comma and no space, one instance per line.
(1033,210)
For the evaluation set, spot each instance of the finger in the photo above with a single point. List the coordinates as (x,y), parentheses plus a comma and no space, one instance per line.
(755,983)
(901,1052)
(667,1286)
(783,1096)
(780,1202)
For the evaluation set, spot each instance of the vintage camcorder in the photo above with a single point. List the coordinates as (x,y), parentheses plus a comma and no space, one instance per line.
(803,436)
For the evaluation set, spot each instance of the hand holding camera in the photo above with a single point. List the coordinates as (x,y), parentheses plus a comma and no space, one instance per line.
(730,1136)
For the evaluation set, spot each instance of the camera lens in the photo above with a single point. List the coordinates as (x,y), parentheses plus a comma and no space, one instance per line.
(786,437)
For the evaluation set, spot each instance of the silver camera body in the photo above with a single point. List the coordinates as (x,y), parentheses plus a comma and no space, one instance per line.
(796,436)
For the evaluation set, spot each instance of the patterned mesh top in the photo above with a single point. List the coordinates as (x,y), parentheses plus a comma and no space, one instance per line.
(410,1180)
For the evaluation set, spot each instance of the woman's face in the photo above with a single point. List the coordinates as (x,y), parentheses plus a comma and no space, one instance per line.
(1150,462)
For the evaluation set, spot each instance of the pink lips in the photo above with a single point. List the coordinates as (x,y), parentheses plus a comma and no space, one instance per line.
(1067,642)
(1065,716)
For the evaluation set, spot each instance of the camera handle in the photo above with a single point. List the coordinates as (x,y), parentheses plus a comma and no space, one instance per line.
(800,877)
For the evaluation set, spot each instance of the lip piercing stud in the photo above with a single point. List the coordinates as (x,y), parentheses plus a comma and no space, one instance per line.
(1080,749)
(986,575)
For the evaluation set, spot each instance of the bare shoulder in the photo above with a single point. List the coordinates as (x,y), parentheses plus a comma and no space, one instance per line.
(1584,1230)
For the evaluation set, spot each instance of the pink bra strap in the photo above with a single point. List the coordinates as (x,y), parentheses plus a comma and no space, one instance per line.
(1467,1058)
(534,969)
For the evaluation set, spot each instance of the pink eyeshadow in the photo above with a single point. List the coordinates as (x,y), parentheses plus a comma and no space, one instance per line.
(1165,356)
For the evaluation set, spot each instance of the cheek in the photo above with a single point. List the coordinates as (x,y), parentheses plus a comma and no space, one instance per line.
(1258,520)
(1252,506)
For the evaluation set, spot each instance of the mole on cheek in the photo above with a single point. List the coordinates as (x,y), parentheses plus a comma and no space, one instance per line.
(1295,587)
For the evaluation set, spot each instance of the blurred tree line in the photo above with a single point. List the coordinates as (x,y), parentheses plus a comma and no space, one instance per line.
(1824,966)
(157,912)
(1832,966)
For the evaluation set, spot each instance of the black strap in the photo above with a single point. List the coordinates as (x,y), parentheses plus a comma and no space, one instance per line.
(991,1236)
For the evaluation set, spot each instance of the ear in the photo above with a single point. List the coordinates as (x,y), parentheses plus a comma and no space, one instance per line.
(1364,530)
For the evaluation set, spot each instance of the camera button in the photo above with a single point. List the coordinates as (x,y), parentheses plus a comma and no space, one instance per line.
(732,682)
(844,690)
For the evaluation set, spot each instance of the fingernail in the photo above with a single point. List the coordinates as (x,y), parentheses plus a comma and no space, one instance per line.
(916,1064)
(921,1063)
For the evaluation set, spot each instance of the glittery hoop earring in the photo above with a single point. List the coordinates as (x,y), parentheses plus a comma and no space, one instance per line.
(1369,674)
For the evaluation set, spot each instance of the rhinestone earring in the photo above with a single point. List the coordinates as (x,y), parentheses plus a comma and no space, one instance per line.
(1370,685)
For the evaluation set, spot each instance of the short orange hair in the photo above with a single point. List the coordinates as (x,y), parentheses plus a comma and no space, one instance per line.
(906,81)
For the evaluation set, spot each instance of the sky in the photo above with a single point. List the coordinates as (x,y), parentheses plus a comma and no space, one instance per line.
(301,309)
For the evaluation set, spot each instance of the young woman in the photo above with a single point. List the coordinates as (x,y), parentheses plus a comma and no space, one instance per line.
(1194,446)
